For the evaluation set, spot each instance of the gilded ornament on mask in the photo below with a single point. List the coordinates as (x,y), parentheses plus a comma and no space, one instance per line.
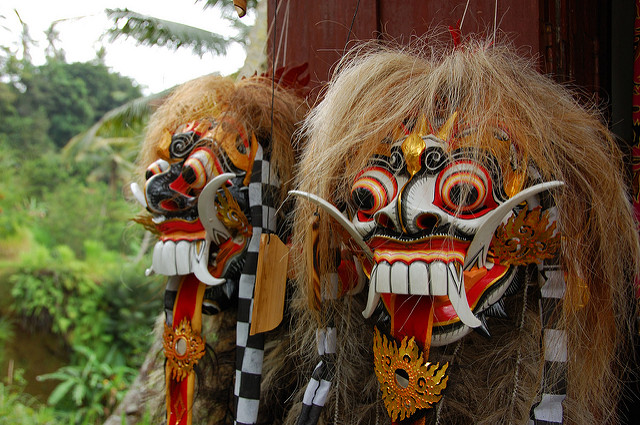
(526,237)
(231,215)
(407,382)
(413,146)
(182,348)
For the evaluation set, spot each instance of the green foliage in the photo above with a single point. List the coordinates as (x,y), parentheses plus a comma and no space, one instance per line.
(77,212)
(92,386)
(17,407)
(102,310)
(55,290)
(152,31)
(42,106)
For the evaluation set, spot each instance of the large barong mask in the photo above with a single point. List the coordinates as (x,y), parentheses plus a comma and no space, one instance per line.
(429,207)
(444,176)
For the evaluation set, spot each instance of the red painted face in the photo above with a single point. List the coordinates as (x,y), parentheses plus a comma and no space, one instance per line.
(196,155)
(428,212)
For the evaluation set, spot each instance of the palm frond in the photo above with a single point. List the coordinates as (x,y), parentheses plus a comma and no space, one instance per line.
(152,31)
(130,115)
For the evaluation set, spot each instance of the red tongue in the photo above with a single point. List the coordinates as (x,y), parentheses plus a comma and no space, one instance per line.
(411,316)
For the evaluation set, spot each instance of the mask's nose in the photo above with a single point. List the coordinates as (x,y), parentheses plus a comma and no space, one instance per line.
(427,221)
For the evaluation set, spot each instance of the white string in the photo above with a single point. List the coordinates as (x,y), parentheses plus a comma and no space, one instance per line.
(495,22)
(464,14)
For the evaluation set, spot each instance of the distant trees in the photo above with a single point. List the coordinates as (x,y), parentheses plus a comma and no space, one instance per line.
(46,105)
(66,250)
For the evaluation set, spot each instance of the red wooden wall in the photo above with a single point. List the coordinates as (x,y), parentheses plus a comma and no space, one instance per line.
(316,32)
(586,43)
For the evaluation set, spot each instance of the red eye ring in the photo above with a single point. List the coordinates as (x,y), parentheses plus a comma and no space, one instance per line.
(464,189)
(373,189)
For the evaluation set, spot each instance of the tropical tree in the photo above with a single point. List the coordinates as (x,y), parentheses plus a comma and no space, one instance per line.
(152,31)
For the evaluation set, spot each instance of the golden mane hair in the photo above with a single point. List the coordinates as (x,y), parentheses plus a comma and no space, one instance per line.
(374,89)
(248,102)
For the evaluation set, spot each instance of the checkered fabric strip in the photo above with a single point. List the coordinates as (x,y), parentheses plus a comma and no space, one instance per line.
(319,385)
(250,348)
(554,386)
(170,294)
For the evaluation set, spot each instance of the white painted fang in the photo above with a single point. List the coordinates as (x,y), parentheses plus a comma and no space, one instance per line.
(216,231)
(458,299)
(457,277)
(372,301)
(199,267)
(138,194)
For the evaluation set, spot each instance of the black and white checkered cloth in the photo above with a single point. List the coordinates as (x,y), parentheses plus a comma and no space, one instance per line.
(548,411)
(317,390)
(250,348)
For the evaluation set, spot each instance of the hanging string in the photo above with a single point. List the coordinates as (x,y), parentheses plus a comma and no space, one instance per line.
(353,20)
(495,22)
(463,15)
(273,67)
(516,377)
(273,94)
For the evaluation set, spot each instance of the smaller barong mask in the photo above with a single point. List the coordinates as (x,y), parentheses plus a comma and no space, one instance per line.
(197,193)
(216,156)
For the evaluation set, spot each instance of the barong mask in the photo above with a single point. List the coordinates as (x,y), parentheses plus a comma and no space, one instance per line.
(197,193)
(443,225)
(448,174)
(217,155)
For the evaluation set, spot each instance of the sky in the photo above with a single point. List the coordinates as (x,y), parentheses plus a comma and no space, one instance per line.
(83,22)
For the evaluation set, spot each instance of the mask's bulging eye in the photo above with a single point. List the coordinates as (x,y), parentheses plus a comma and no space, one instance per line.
(160,166)
(464,189)
(198,168)
(372,190)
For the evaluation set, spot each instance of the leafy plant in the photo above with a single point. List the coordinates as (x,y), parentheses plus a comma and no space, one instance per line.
(92,386)
(19,408)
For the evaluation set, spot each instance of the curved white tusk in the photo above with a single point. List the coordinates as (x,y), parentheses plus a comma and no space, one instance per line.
(338,216)
(216,231)
(478,249)
(138,194)
(199,266)
(458,298)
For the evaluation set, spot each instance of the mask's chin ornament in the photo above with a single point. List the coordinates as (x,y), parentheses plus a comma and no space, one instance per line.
(426,217)
(202,227)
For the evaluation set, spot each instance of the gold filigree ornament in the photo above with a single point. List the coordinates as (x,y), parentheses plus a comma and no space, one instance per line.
(231,215)
(525,238)
(407,382)
(183,348)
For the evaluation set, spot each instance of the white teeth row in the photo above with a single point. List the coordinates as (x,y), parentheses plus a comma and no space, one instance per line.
(433,279)
(419,278)
(183,257)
